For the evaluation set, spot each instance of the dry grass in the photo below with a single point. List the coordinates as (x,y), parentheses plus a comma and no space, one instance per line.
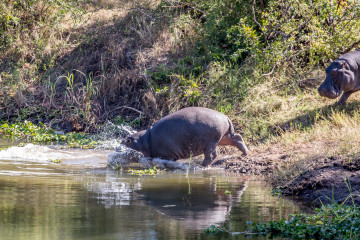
(115,45)
(301,128)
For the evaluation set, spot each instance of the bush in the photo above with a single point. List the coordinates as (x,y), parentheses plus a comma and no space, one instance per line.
(309,33)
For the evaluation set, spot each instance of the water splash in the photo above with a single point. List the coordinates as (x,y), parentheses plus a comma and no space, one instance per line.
(110,135)
(109,130)
(127,156)
(168,164)
(45,154)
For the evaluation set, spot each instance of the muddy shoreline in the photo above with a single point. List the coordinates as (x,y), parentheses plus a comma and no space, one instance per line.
(327,180)
(337,180)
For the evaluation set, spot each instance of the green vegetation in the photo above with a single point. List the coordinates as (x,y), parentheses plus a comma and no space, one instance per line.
(149,172)
(329,222)
(227,192)
(334,221)
(73,65)
(42,134)
(214,230)
(55,160)
(276,191)
(254,58)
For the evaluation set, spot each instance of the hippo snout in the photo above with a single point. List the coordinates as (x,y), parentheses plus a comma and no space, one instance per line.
(243,148)
(327,92)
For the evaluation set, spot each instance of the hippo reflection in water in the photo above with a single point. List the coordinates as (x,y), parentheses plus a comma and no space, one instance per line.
(342,75)
(186,133)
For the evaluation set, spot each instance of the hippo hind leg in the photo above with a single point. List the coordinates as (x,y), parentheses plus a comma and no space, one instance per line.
(210,153)
(236,141)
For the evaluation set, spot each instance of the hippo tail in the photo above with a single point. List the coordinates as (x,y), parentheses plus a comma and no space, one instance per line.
(231,128)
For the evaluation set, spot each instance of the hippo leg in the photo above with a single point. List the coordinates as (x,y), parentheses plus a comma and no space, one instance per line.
(344,97)
(236,141)
(210,153)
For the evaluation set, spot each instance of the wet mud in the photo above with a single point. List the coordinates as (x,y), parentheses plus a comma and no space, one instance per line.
(327,179)
(335,180)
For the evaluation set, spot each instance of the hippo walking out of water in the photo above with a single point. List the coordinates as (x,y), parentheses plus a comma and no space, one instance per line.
(188,132)
(342,75)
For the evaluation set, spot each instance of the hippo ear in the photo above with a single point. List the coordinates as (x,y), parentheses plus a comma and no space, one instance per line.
(344,65)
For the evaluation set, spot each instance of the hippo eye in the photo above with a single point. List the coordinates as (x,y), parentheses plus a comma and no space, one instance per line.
(128,141)
(333,73)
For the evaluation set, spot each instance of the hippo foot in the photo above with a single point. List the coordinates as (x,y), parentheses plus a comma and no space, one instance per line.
(339,103)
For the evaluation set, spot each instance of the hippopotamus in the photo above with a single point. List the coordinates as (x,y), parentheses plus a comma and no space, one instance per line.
(189,132)
(342,75)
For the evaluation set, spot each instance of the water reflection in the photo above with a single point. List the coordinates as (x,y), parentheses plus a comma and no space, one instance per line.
(112,190)
(41,200)
(197,201)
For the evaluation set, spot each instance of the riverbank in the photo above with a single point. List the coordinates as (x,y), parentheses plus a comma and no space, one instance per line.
(314,178)
(306,171)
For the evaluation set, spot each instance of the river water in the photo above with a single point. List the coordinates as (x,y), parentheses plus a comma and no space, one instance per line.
(80,198)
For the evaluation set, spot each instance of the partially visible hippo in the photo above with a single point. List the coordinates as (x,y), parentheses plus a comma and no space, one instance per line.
(188,132)
(343,74)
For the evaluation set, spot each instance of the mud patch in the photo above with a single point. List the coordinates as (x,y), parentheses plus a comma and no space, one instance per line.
(258,162)
(245,165)
(337,180)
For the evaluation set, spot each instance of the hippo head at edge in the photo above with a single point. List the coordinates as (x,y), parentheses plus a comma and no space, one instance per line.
(136,141)
(339,78)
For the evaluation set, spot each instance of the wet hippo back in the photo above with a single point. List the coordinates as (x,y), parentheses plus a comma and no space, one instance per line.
(186,132)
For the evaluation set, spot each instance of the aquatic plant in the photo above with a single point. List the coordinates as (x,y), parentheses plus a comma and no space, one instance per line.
(331,221)
(55,160)
(334,221)
(277,191)
(151,171)
(41,133)
(214,230)
(227,192)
